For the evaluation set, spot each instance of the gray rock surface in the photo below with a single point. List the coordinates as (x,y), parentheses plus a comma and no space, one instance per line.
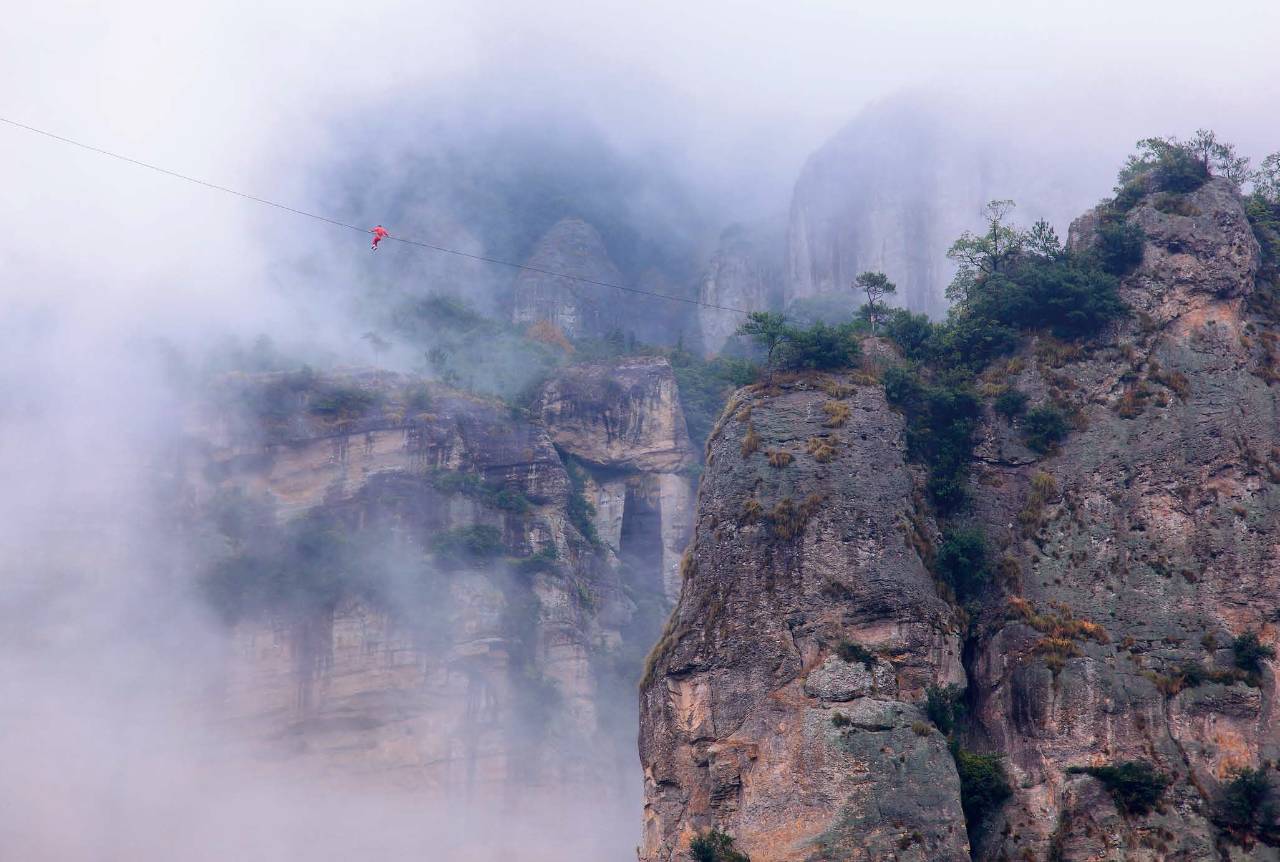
(787,562)
(1160,529)
(619,414)
(493,687)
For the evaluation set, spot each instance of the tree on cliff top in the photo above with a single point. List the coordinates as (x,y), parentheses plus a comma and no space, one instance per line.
(983,255)
(814,348)
(768,329)
(876,286)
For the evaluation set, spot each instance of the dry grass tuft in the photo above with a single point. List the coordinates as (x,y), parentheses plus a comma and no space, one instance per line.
(750,441)
(821,448)
(1062,631)
(548,333)
(778,457)
(789,520)
(1043,488)
(835,389)
(837,414)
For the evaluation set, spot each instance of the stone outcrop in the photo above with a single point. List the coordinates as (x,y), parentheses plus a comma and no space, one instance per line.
(1124,563)
(744,273)
(577,308)
(623,422)
(750,719)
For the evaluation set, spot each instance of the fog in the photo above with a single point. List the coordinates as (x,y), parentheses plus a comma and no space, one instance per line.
(473,126)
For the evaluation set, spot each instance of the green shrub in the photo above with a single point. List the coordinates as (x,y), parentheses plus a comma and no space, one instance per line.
(1249,652)
(1180,171)
(1168,164)
(1008,282)
(855,652)
(1119,246)
(471,485)
(1264,217)
(1011,403)
(944,706)
(715,846)
(544,560)
(971,337)
(1135,785)
(819,347)
(464,348)
(941,419)
(1246,806)
(579,508)
(913,333)
(511,500)
(962,562)
(294,570)
(338,401)
(470,544)
(1128,196)
(417,398)
(705,386)
(902,387)
(1044,427)
(1073,297)
(984,786)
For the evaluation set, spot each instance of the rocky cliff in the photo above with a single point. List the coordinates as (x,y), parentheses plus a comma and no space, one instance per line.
(1158,522)
(783,704)
(455,620)
(623,421)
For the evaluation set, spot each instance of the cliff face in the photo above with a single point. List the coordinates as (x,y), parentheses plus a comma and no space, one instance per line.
(750,718)
(624,422)
(467,674)
(428,681)
(1123,561)
(1162,528)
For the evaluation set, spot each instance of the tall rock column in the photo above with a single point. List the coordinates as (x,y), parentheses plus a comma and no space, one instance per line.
(782,703)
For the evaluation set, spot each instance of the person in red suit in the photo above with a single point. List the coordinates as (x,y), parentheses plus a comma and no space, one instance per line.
(379,234)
